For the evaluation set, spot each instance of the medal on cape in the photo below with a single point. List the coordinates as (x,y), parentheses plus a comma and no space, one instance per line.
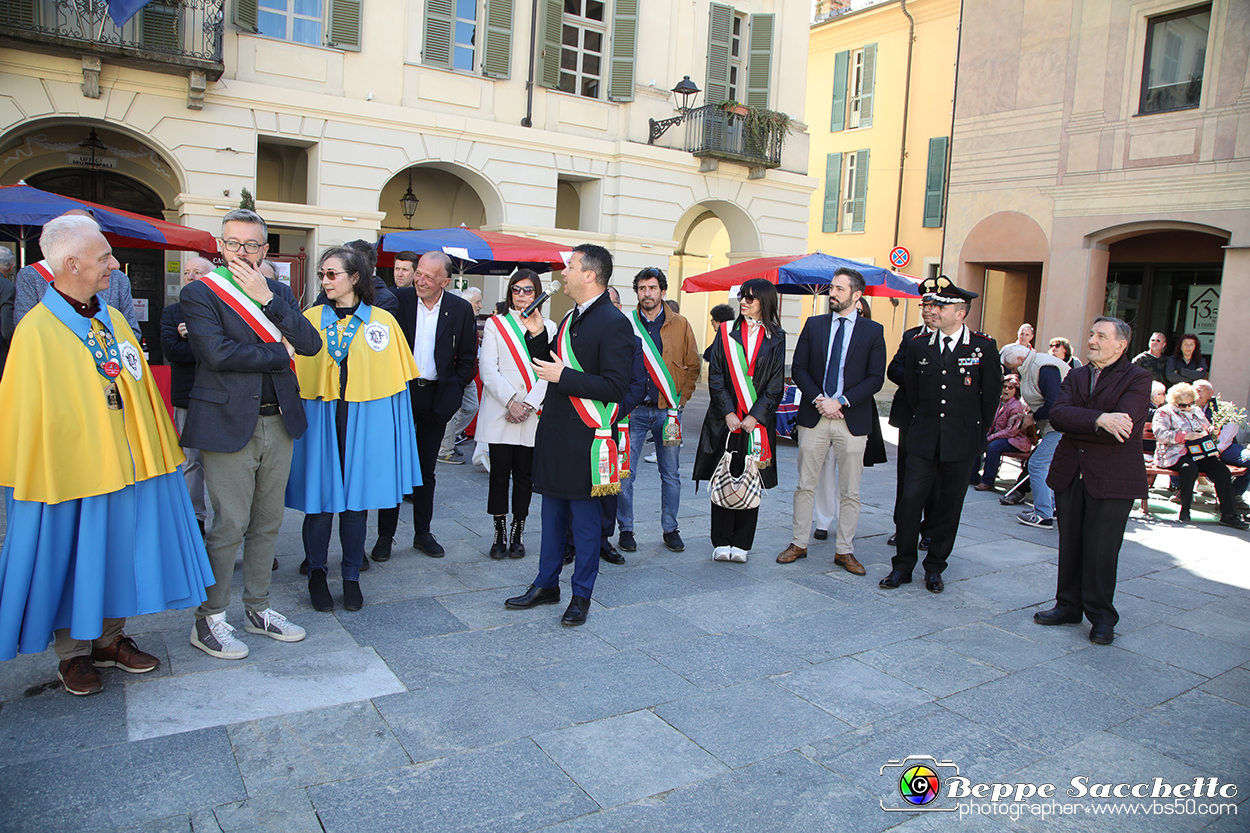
(336,345)
(103,351)
(114,397)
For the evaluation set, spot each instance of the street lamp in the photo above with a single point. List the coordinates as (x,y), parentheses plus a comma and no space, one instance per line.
(686,90)
(408,201)
(90,145)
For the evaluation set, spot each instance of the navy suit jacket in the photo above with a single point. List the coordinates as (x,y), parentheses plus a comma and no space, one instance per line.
(224,403)
(862,375)
(455,346)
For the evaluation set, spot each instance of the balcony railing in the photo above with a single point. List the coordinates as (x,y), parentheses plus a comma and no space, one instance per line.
(165,36)
(751,138)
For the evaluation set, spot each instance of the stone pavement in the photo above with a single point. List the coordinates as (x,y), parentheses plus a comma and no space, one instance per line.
(699,697)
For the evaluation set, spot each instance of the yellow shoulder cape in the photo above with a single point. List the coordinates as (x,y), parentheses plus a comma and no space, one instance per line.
(61,440)
(372,374)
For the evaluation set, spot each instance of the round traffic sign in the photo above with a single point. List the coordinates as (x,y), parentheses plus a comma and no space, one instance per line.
(899,257)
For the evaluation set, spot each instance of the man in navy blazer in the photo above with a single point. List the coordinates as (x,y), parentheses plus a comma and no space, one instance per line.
(244,413)
(442,335)
(839,365)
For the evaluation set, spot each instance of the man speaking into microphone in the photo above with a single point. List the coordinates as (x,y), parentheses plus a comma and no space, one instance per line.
(587,371)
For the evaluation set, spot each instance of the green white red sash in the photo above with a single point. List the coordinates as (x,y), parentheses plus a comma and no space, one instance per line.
(512,335)
(653,358)
(622,432)
(741,371)
(44,269)
(224,286)
(604,463)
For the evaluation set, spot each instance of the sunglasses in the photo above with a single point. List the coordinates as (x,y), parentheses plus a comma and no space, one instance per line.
(747,298)
(332,274)
(523,290)
(1184,404)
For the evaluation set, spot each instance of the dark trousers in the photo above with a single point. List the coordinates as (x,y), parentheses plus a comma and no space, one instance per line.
(352,528)
(584,517)
(993,458)
(923,476)
(429,437)
(930,506)
(1091,531)
(607,522)
(1215,469)
(515,462)
(1238,456)
(734,527)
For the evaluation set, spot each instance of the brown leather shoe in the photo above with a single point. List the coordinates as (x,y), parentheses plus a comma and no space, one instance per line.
(79,677)
(791,554)
(848,561)
(124,654)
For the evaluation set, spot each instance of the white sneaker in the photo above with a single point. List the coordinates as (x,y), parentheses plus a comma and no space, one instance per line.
(650,458)
(738,556)
(274,625)
(214,636)
(720,554)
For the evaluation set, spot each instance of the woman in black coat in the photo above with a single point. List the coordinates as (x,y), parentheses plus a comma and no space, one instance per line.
(1187,363)
(759,322)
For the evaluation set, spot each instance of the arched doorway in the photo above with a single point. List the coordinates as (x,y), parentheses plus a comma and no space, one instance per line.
(144,267)
(711,234)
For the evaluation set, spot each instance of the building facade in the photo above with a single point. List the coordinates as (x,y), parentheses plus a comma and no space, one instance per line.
(527,118)
(1101,164)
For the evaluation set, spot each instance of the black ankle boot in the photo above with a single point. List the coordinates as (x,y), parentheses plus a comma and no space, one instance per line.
(517,549)
(352,599)
(319,592)
(499,549)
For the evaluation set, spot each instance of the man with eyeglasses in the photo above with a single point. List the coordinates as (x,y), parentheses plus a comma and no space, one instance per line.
(900,417)
(244,413)
(442,335)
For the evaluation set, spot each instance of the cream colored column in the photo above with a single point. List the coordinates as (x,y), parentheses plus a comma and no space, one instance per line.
(1230,372)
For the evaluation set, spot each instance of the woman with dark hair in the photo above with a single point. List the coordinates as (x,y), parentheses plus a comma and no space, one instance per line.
(1186,364)
(507,418)
(1061,349)
(1005,433)
(360,451)
(746,376)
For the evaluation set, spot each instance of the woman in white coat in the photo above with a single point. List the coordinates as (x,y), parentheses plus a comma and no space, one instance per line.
(508,415)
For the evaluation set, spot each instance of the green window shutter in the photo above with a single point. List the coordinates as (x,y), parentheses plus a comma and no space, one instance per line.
(550,27)
(436,40)
(833,190)
(870,74)
(246,16)
(860,204)
(760,66)
(159,27)
(20,13)
(624,45)
(497,53)
(343,27)
(720,32)
(841,66)
(935,182)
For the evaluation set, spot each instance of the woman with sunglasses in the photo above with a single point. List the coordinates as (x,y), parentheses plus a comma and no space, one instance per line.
(1179,428)
(360,450)
(748,359)
(1005,433)
(508,416)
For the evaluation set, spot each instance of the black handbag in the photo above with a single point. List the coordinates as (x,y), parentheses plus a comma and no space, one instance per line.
(1202,448)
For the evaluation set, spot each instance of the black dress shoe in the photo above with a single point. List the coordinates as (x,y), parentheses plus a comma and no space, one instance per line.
(576,612)
(893,542)
(1102,634)
(924,542)
(318,592)
(1055,616)
(626,541)
(609,554)
(933,582)
(570,553)
(425,542)
(352,600)
(823,535)
(895,578)
(382,549)
(533,597)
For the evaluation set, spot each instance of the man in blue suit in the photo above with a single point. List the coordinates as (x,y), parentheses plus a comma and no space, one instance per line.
(839,364)
(244,413)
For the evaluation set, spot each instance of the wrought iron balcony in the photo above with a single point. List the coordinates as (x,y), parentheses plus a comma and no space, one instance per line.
(750,136)
(170,36)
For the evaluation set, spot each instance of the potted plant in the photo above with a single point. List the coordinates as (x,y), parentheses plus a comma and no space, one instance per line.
(764,128)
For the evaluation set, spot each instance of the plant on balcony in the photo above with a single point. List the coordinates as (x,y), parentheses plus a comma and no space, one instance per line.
(734,108)
(764,128)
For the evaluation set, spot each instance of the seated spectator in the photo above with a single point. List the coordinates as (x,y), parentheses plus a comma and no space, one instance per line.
(1187,363)
(1005,434)
(1158,396)
(1061,348)
(1226,420)
(1153,359)
(1180,429)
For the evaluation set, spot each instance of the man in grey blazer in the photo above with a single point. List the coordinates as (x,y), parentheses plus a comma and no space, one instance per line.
(243,413)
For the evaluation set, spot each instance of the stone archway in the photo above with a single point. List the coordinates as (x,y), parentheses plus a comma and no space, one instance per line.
(711,234)
(448,195)
(1004,260)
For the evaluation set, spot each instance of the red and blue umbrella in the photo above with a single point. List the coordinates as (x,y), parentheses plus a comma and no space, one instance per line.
(804,275)
(476,252)
(24,210)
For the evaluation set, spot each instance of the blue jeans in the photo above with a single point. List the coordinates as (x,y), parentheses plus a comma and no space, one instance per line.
(993,457)
(352,526)
(1238,456)
(642,420)
(1039,467)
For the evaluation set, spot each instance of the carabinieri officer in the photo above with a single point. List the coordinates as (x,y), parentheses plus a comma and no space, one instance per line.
(953,381)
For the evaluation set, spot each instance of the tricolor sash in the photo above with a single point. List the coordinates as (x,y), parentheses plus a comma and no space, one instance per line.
(622,431)
(44,269)
(653,358)
(224,286)
(741,370)
(604,463)
(513,336)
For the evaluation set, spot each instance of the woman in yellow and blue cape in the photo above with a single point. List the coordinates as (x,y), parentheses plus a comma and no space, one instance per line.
(360,450)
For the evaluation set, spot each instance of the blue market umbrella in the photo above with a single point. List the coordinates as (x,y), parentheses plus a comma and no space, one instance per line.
(476,252)
(804,275)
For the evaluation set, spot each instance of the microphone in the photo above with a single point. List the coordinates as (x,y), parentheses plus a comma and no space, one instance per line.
(542,296)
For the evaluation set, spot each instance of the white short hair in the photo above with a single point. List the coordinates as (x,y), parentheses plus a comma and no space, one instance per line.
(60,237)
(470,293)
(1011,352)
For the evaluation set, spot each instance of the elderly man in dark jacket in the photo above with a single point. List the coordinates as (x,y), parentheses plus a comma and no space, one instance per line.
(1097,473)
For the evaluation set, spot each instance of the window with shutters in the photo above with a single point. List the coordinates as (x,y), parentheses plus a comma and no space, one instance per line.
(469,36)
(935,183)
(583,36)
(334,23)
(854,81)
(854,192)
(464,46)
(737,54)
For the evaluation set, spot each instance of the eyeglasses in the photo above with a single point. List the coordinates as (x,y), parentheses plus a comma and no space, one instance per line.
(332,274)
(523,290)
(249,246)
(747,298)
(1184,404)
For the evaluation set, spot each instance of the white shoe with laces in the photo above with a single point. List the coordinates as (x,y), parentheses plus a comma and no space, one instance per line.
(215,637)
(273,624)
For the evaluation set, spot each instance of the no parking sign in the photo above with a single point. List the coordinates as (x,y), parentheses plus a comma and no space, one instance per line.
(899,257)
